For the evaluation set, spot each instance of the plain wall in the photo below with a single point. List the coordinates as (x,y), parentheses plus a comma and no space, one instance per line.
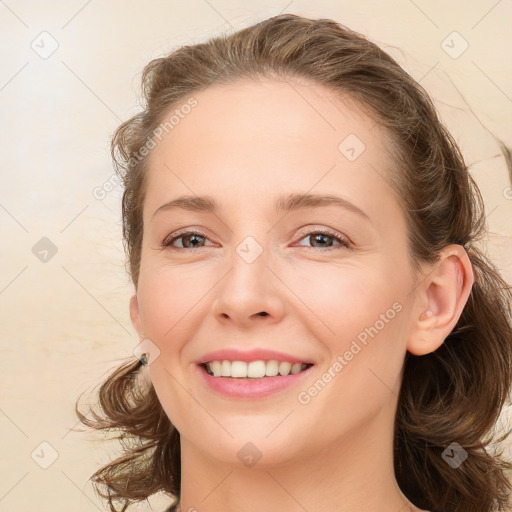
(65,321)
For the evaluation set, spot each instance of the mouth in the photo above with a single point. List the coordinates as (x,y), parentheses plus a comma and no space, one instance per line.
(253,370)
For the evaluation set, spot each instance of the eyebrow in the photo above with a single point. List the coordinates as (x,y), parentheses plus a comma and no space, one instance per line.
(206,204)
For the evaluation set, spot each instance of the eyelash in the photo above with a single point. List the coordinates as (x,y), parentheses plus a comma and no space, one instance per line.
(343,243)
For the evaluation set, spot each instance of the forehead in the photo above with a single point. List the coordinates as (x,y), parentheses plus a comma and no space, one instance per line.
(274,112)
(262,136)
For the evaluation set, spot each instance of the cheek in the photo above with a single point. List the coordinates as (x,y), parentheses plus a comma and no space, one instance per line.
(346,301)
(362,316)
(168,298)
(176,399)
(170,302)
(362,374)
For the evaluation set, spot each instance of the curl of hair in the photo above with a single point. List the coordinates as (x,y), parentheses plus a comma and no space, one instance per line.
(454,394)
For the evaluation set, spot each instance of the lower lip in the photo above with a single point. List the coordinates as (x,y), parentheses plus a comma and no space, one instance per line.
(251,388)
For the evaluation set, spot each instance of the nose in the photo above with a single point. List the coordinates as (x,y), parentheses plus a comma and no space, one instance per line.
(250,291)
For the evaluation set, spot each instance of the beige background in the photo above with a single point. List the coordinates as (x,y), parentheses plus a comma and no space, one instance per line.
(65,322)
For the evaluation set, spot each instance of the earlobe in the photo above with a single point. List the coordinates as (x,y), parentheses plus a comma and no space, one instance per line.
(135,315)
(441,299)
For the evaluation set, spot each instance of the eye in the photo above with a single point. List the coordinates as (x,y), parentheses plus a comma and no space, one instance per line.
(190,239)
(319,239)
(324,238)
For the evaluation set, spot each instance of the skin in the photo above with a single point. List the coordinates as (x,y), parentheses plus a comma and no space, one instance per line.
(246,144)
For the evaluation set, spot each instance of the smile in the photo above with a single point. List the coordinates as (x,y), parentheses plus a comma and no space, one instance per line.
(253,369)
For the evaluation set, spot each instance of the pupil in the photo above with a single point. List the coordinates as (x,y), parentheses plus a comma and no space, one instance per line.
(193,239)
(318,238)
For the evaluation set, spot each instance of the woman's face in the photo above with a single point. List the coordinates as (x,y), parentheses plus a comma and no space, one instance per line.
(257,277)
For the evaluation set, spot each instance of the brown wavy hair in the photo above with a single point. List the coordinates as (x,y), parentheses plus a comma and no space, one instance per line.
(454,394)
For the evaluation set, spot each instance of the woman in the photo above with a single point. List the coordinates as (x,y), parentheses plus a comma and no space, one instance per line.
(317,329)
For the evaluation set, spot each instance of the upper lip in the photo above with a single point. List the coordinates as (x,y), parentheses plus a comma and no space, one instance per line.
(255,354)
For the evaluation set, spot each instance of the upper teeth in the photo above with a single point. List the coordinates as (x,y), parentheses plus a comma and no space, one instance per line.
(254,369)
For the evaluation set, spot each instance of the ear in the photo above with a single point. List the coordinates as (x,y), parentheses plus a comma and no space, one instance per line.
(135,315)
(441,298)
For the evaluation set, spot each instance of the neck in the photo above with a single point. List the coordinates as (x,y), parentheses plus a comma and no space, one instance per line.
(355,473)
